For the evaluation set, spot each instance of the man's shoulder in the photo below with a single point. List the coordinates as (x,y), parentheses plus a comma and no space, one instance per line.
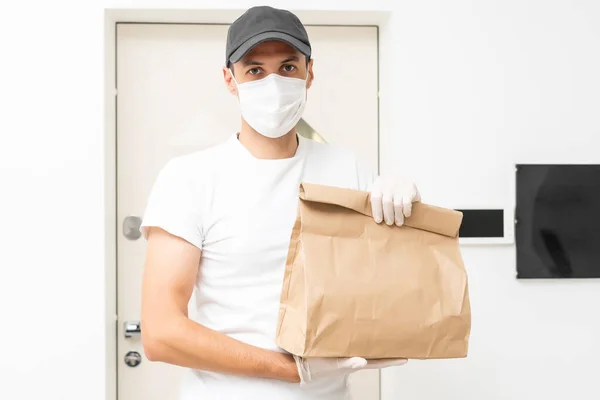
(333,152)
(202,160)
(337,165)
(198,164)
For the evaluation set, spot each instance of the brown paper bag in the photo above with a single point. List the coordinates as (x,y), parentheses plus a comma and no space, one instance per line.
(353,287)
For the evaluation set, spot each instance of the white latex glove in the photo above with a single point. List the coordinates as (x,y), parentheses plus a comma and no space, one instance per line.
(311,369)
(391,200)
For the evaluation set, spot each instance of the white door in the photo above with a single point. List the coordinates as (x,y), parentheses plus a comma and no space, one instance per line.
(171,100)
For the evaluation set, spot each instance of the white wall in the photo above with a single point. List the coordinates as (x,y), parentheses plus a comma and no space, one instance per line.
(516,79)
(519,81)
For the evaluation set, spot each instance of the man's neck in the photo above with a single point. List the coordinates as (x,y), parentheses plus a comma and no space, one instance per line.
(268,148)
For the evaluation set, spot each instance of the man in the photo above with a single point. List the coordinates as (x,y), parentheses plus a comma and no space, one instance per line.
(218,222)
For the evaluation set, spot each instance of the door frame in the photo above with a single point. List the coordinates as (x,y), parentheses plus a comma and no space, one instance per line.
(112,17)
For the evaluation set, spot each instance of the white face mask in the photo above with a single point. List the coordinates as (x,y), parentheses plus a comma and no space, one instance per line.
(273,105)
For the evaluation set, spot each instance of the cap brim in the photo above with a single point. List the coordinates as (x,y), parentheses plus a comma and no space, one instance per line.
(267,36)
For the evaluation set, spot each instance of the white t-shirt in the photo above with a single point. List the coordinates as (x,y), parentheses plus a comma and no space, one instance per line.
(240,211)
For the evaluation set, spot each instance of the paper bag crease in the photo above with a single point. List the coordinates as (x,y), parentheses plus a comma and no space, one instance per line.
(353,287)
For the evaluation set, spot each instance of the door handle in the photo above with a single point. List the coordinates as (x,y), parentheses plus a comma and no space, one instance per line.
(131,227)
(132,329)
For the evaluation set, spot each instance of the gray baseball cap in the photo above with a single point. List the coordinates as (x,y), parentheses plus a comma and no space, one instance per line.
(261,24)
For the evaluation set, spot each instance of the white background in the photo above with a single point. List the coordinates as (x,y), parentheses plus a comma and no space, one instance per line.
(517,80)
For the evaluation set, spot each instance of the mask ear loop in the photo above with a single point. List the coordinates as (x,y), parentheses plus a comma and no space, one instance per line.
(306,83)
(237,85)
(233,77)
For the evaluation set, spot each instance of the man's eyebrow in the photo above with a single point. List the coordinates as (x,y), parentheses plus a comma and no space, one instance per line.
(292,58)
(251,62)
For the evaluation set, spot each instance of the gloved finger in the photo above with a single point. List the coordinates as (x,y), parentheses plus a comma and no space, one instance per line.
(388,208)
(377,206)
(407,207)
(351,363)
(398,210)
(385,363)
(417,195)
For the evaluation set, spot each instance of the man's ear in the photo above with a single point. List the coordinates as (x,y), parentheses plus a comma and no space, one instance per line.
(229,82)
(311,75)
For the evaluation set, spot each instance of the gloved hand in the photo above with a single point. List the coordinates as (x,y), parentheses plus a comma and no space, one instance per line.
(310,369)
(391,200)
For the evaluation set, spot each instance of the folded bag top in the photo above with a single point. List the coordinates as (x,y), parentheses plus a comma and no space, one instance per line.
(425,217)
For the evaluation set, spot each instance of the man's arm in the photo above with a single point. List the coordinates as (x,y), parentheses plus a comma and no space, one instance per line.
(169,336)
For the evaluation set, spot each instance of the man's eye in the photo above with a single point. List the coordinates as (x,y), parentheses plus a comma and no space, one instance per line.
(254,71)
(289,68)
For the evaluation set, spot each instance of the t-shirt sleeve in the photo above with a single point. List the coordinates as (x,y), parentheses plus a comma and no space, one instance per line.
(365,176)
(173,204)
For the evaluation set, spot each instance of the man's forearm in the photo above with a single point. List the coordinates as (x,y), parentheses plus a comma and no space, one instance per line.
(189,344)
